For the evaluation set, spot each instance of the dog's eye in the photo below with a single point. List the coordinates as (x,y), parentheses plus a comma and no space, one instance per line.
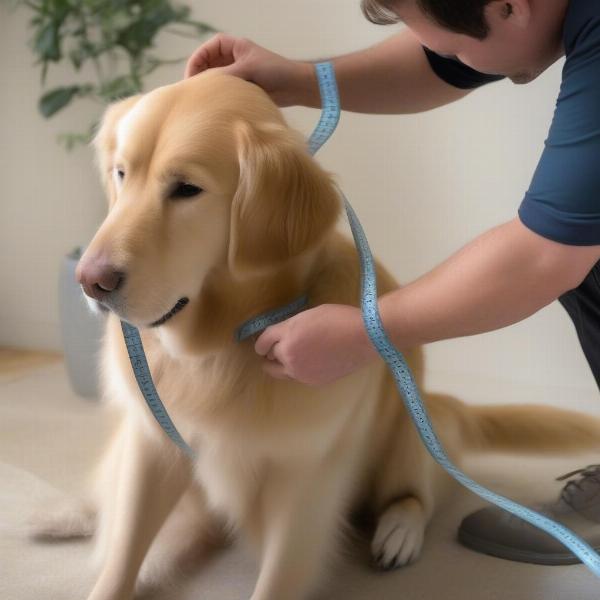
(185,190)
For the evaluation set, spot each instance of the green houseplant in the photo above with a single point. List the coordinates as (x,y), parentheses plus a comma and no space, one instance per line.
(107,44)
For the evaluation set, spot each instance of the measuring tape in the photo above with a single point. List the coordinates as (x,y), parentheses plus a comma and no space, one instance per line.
(139,364)
(404,380)
(330,107)
(260,323)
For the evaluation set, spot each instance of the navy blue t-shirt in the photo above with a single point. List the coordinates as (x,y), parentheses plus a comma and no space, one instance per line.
(563,201)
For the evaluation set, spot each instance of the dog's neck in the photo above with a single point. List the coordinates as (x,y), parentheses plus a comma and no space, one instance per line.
(226,302)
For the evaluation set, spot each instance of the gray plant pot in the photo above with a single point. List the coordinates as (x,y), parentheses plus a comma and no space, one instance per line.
(81,331)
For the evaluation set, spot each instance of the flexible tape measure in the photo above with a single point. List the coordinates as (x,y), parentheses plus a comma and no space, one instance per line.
(404,380)
(330,107)
(261,322)
(139,364)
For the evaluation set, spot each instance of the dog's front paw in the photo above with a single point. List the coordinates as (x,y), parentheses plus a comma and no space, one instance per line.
(398,538)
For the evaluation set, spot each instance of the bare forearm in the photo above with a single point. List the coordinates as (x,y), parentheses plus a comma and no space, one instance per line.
(501,278)
(393,77)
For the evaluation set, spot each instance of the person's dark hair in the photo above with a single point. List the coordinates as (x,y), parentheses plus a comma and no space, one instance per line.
(460,16)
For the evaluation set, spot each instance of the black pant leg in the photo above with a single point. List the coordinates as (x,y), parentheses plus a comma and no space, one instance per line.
(583,306)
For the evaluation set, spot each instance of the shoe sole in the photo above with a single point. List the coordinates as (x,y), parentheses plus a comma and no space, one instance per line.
(508,553)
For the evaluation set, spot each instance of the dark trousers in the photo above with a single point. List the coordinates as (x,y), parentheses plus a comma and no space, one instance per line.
(583,306)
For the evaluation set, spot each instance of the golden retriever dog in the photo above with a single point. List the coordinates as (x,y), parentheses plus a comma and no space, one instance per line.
(218,213)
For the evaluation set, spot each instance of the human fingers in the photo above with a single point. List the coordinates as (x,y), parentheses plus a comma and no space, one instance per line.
(271,353)
(218,51)
(275,369)
(267,339)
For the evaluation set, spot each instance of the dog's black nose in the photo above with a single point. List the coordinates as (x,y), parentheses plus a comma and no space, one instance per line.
(98,277)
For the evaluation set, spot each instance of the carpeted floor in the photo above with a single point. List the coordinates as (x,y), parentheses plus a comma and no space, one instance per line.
(49,438)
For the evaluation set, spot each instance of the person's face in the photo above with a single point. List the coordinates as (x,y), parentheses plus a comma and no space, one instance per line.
(525,38)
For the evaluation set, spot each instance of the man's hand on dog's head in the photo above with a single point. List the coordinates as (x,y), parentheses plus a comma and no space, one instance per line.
(288,82)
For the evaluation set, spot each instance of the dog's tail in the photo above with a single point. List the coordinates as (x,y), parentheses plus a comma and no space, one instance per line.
(517,428)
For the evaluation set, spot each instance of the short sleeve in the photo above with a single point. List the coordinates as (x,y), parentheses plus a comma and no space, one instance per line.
(452,71)
(563,201)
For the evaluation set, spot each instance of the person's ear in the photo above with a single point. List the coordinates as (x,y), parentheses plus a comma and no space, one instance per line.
(515,12)
(285,202)
(105,141)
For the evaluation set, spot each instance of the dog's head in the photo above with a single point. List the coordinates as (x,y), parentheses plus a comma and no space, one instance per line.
(200,174)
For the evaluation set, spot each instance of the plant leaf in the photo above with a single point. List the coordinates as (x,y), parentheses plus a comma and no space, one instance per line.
(72,140)
(139,35)
(47,42)
(54,100)
(119,87)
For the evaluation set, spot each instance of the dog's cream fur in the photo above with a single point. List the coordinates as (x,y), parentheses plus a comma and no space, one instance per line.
(281,462)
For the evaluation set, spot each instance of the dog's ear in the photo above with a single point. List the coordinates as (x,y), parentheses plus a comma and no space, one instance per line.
(105,141)
(285,202)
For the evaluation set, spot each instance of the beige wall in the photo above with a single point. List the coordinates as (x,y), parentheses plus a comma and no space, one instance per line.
(423,185)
